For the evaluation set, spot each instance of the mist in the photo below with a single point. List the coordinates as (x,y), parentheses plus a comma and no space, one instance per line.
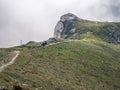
(34,20)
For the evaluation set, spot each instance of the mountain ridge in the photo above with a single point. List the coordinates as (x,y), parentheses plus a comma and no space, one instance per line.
(72,27)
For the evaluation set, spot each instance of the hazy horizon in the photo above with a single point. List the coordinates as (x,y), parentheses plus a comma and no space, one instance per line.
(34,20)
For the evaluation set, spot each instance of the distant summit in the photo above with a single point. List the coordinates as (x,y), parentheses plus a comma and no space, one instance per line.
(67,17)
(65,20)
(72,27)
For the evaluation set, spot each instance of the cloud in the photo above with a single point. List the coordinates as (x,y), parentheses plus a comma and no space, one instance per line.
(115,8)
(107,10)
(35,19)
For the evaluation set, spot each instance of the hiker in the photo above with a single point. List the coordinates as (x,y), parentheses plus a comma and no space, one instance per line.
(44,44)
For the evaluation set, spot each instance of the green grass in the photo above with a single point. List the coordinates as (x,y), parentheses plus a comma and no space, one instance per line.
(73,65)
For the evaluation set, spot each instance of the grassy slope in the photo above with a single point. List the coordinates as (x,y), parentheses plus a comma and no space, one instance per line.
(99,29)
(74,65)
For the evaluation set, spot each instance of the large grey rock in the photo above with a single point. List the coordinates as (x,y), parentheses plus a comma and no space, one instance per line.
(67,17)
(58,29)
(66,23)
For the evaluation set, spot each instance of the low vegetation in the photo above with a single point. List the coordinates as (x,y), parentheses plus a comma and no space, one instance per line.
(86,64)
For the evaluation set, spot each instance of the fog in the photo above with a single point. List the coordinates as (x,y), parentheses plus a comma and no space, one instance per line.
(34,20)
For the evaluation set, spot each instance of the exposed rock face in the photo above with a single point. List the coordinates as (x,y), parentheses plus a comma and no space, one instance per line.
(58,29)
(66,23)
(110,32)
(114,36)
(67,17)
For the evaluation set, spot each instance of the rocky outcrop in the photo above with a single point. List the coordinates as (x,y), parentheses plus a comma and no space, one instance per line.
(58,29)
(66,23)
(113,35)
(67,17)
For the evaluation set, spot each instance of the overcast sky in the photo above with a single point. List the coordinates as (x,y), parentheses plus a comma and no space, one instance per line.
(34,20)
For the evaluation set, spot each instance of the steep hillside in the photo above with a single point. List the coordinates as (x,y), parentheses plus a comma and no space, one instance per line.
(72,27)
(85,64)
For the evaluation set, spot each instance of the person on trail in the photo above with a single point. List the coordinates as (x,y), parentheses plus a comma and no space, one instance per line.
(44,44)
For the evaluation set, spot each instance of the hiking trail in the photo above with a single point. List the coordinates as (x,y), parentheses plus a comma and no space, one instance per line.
(17,53)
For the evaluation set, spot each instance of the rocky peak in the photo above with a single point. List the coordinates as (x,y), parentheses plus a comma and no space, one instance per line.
(66,19)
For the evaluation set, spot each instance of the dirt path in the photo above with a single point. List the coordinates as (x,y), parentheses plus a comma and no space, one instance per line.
(11,62)
(63,42)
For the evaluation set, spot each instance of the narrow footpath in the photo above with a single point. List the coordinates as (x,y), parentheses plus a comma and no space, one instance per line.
(17,53)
